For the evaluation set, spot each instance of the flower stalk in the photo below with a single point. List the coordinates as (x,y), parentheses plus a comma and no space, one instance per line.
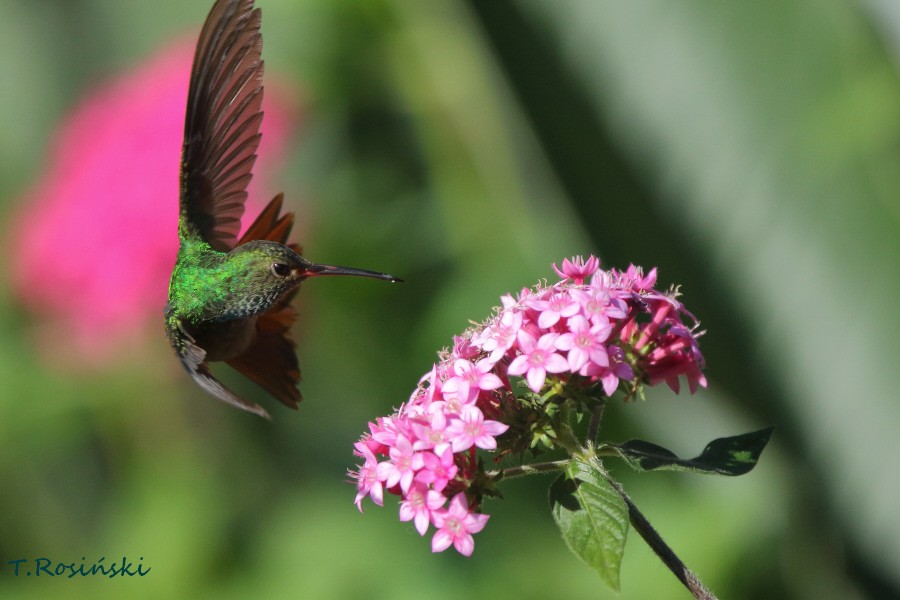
(640,523)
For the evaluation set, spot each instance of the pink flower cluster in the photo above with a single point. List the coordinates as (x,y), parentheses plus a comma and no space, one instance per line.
(615,328)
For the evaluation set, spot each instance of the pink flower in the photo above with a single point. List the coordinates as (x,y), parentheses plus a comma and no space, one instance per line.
(384,431)
(94,240)
(438,469)
(418,506)
(577,269)
(537,359)
(597,303)
(676,354)
(426,395)
(499,337)
(456,526)
(661,315)
(618,370)
(552,309)
(468,379)
(403,465)
(368,483)
(471,429)
(462,347)
(431,434)
(637,280)
(585,343)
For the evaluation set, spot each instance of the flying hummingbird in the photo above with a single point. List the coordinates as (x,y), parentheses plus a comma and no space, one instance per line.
(229,298)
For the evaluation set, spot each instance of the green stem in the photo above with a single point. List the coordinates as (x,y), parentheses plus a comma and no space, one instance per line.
(594,425)
(662,550)
(565,437)
(522,470)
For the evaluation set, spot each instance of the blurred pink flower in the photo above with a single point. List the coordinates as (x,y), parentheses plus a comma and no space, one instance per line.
(95,238)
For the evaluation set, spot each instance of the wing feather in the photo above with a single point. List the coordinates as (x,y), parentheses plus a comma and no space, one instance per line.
(221,132)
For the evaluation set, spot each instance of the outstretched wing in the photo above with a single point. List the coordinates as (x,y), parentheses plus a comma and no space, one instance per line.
(193,358)
(221,130)
(271,360)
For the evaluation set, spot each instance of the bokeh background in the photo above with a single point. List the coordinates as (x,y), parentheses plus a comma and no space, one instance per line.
(750,150)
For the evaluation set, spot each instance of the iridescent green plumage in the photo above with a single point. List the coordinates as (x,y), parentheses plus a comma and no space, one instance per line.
(229,299)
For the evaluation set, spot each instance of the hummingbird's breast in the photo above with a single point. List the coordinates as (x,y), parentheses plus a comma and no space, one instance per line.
(224,340)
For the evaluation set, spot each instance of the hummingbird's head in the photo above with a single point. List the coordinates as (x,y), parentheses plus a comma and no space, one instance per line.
(281,266)
(260,272)
(272,267)
(256,275)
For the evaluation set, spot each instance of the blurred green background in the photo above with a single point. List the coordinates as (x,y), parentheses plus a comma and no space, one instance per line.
(750,150)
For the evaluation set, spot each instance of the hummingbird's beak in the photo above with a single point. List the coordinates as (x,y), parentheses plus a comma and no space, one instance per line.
(318,270)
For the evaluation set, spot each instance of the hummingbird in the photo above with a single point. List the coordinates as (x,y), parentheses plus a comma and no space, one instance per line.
(229,298)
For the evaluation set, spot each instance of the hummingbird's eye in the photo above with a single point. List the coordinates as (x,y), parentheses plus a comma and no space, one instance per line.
(280,269)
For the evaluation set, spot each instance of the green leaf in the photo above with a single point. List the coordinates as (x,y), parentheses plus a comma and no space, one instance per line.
(592,517)
(725,456)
